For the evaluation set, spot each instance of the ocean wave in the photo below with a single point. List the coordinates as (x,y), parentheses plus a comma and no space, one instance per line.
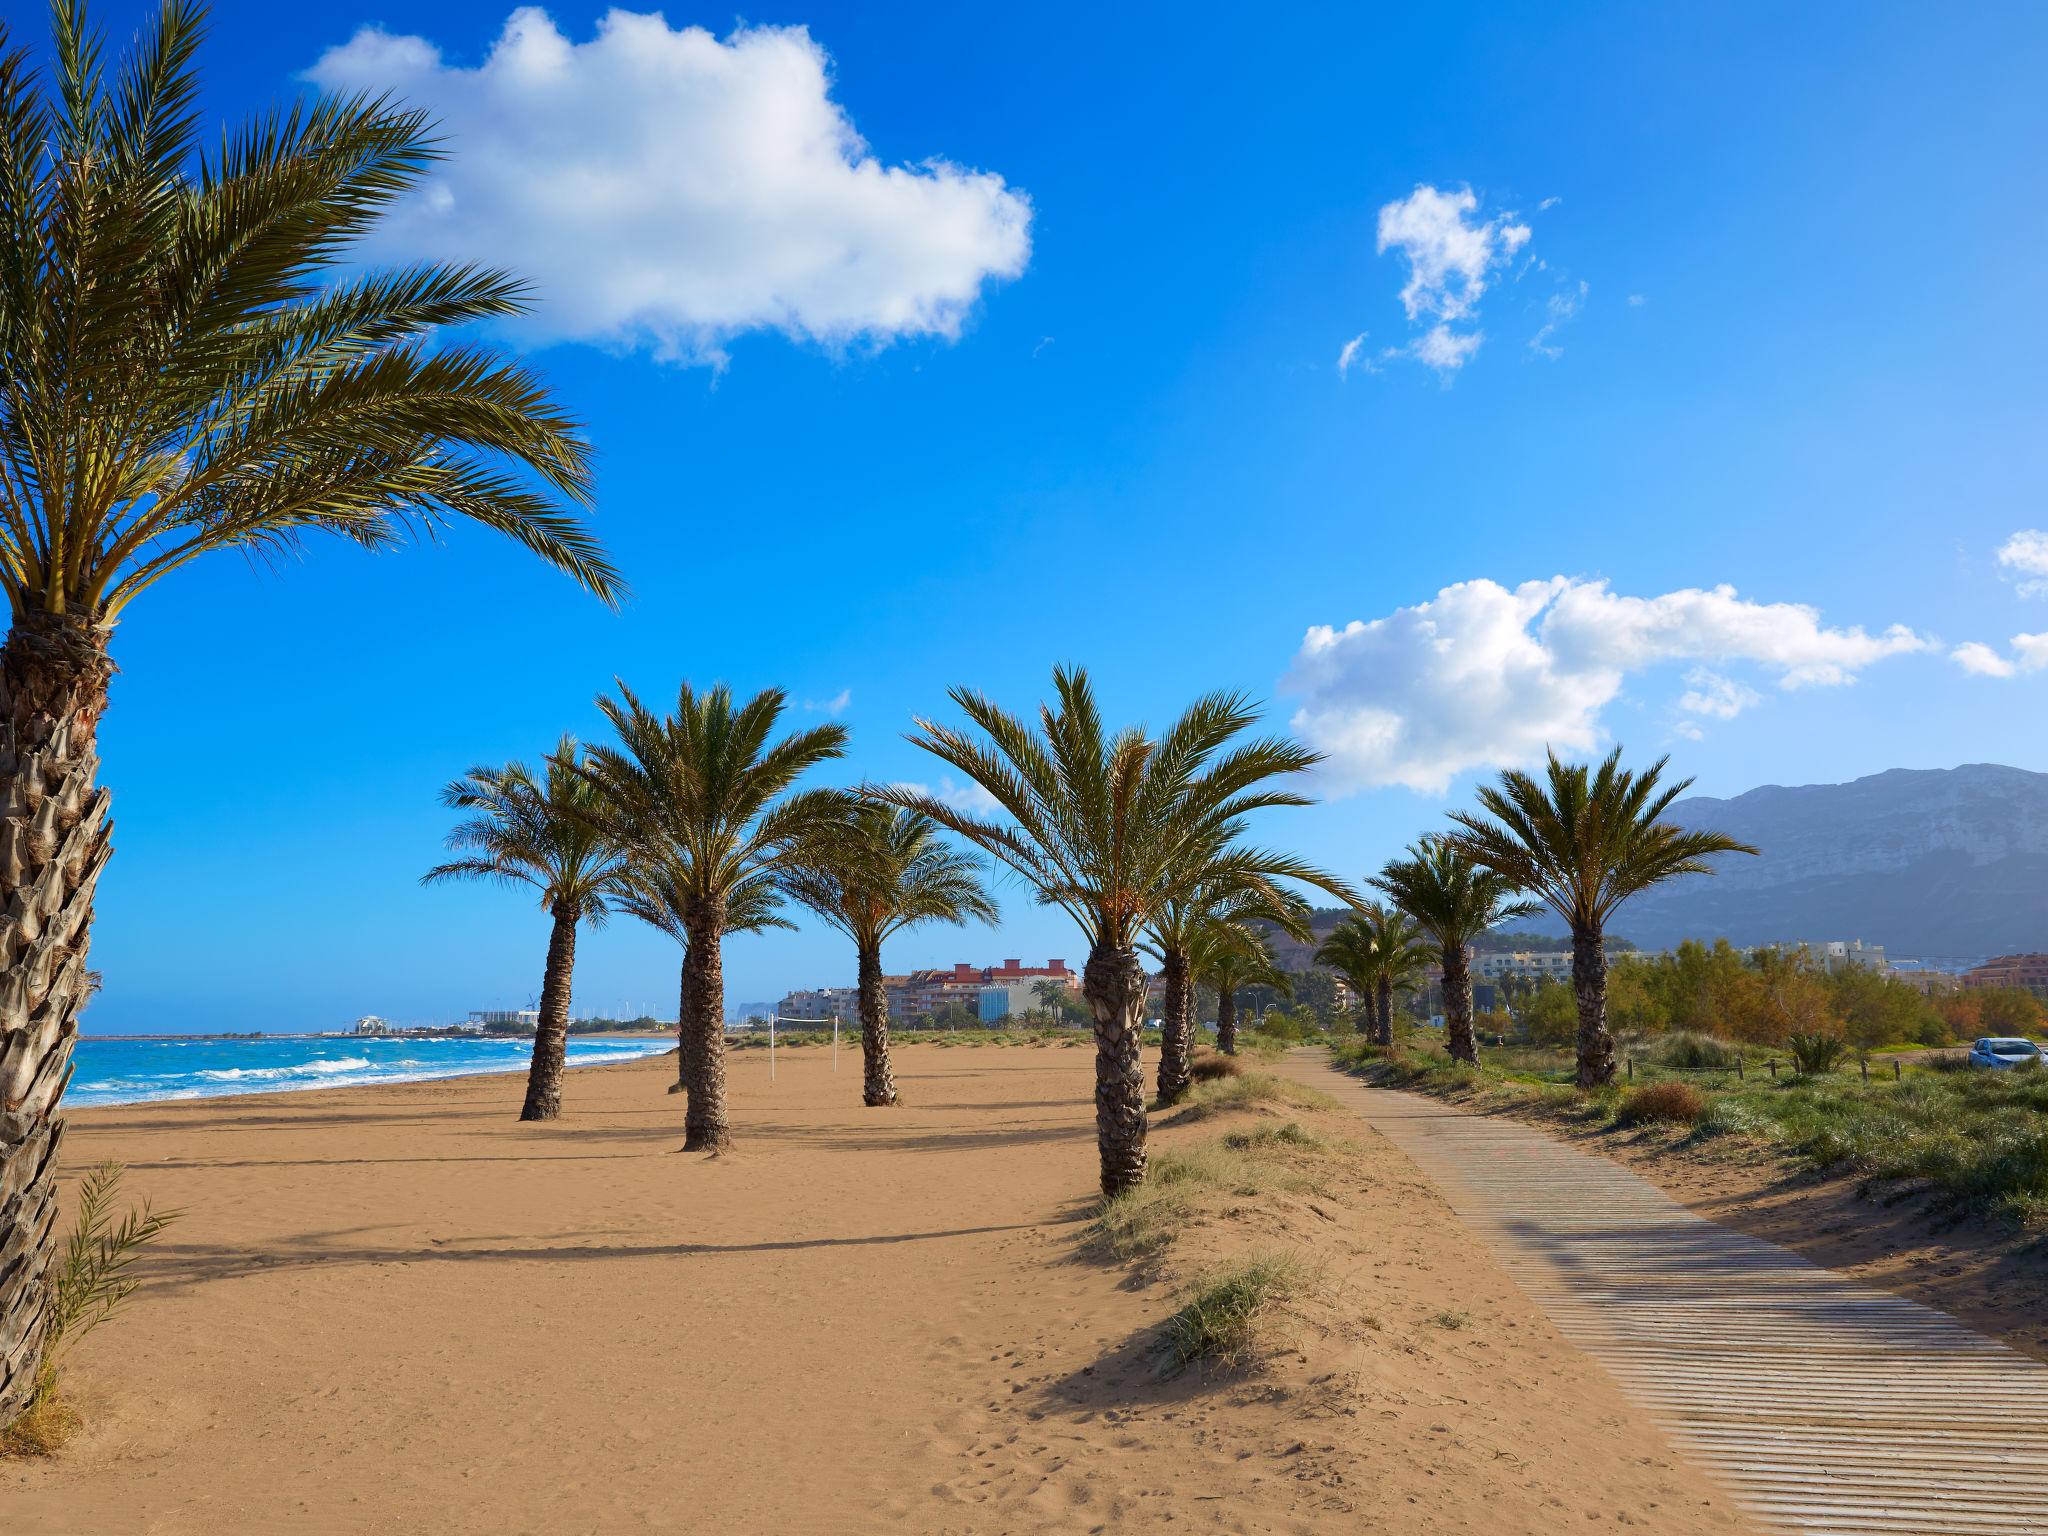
(274,1074)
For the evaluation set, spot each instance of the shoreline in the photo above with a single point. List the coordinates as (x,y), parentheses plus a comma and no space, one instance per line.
(230,1084)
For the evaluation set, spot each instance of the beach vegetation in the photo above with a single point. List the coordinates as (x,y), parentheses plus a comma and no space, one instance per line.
(703,802)
(1101,823)
(1231,957)
(871,872)
(90,1280)
(1582,841)
(1452,899)
(1223,1317)
(542,831)
(198,362)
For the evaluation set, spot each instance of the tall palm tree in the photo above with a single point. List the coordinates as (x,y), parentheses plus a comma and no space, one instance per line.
(1101,825)
(539,832)
(1399,954)
(1213,888)
(1583,841)
(1453,900)
(188,365)
(1231,957)
(875,872)
(702,801)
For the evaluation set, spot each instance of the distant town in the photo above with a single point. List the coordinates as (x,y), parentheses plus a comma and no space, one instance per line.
(966,995)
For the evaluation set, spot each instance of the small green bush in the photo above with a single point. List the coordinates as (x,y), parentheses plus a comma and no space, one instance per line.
(1219,1322)
(1815,1055)
(1661,1103)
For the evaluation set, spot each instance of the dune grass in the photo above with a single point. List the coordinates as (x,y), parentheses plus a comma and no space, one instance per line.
(1977,1140)
(1142,1221)
(1212,1096)
(1220,1322)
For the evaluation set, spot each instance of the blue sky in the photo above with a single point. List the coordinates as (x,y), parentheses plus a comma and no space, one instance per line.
(1790,262)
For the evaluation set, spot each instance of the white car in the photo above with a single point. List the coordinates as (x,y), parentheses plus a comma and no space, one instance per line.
(1996,1051)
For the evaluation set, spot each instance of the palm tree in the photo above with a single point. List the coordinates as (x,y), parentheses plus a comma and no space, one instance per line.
(1453,900)
(1399,954)
(1351,950)
(1582,842)
(1052,996)
(539,832)
(1231,957)
(875,872)
(1101,825)
(702,803)
(189,363)
(1213,888)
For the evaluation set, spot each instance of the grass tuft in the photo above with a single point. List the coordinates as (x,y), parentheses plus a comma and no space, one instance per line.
(1661,1104)
(1209,1067)
(1246,1090)
(1451,1321)
(41,1431)
(1219,1323)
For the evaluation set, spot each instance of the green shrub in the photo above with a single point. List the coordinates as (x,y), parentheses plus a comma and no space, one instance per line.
(1814,1055)
(1661,1103)
(1693,1052)
(1220,1320)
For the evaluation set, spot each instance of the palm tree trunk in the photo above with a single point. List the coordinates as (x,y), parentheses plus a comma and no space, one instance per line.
(1589,989)
(54,841)
(684,1048)
(705,1127)
(551,1035)
(1458,1005)
(1226,1021)
(1113,984)
(1383,1025)
(878,1083)
(1177,1030)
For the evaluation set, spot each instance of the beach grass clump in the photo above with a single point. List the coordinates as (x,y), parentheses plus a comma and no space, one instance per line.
(1140,1222)
(1290,1134)
(1661,1104)
(1248,1090)
(1209,1066)
(1220,1322)
(1687,1051)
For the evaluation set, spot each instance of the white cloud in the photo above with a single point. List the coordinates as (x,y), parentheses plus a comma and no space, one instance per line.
(2026,555)
(2029,654)
(1349,354)
(663,188)
(1484,676)
(836,705)
(969,797)
(1710,693)
(1451,256)
(1562,307)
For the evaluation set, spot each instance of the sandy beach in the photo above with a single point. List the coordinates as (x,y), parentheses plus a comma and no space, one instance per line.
(396,1309)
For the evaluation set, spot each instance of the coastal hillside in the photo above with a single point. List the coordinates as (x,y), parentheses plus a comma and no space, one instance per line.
(1927,862)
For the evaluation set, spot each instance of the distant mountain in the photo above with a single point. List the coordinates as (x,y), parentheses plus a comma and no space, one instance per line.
(1927,862)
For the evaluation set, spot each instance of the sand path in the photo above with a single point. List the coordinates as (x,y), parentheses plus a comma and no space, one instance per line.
(1828,1406)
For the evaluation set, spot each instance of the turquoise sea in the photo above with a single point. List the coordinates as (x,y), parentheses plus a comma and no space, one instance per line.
(110,1069)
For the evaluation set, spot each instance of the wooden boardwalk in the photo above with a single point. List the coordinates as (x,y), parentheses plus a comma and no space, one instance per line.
(1825,1406)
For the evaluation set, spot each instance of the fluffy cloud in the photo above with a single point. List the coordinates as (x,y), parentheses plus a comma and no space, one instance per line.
(836,705)
(1484,676)
(1451,255)
(665,188)
(2025,554)
(2029,654)
(969,797)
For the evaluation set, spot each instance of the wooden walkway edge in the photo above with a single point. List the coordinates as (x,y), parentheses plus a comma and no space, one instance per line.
(1825,1406)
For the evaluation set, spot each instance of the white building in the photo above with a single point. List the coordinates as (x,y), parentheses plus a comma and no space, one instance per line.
(1848,955)
(370,1024)
(1534,963)
(820,1003)
(505,1018)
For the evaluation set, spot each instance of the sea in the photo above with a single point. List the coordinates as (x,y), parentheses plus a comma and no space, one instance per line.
(112,1069)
